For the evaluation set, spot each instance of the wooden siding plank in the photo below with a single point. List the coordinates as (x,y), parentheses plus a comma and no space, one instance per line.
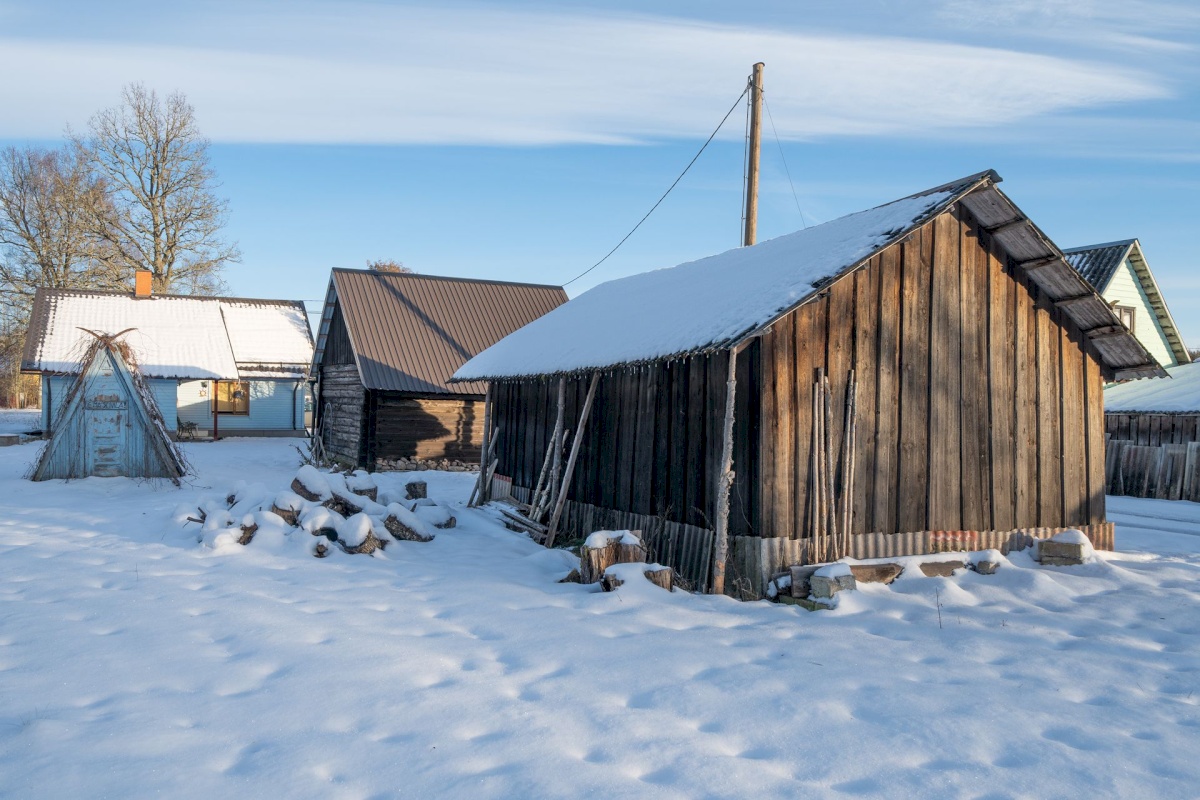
(974,415)
(1095,440)
(913,471)
(945,398)
(839,358)
(1025,398)
(887,393)
(808,355)
(783,373)
(866,371)
(1049,416)
(1002,350)
(1074,424)
(644,442)
(769,411)
(694,465)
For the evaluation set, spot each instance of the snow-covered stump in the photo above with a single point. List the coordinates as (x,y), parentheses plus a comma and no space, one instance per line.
(357,537)
(660,576)
(1066,549)
(288,505)
(361,483)
(435,515)
(249,528)
(605,548)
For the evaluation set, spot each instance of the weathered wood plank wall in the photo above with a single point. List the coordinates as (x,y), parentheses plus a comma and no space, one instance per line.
(652,441)
(427,428)
(1151,430)
(342,409)
(979,407)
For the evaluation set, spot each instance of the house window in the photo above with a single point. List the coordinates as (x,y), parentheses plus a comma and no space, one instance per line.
(1125,314)
(232,397)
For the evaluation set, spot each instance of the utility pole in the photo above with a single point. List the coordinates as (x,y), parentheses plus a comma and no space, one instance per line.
(756,88)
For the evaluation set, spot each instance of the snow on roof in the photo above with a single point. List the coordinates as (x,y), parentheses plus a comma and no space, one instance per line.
(172,336)
(705,304)
(1179,394)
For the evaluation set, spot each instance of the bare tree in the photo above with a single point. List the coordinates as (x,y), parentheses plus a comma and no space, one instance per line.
(48,200)
(166,216)
(387,265)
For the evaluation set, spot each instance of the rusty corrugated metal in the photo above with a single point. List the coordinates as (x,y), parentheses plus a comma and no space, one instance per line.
(411,332)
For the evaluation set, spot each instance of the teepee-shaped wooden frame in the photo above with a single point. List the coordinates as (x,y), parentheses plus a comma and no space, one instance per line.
(109,424)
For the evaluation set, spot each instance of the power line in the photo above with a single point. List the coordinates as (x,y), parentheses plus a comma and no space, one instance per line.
(779,144)
(667,192)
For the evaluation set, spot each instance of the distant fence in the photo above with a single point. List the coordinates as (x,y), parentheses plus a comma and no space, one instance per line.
(1163,472)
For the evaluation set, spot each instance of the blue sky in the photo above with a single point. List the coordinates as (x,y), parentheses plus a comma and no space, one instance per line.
(522,140)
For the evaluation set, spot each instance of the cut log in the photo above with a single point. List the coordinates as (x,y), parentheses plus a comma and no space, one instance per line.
(289,515)
(662,577)
(248,532)
(344,504)
(302,490)
(608,548)
(368,546)
(321,550)
(415,490)
(402,532)
(371,493)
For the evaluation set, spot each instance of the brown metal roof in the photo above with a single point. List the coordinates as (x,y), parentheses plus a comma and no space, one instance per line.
(409,332)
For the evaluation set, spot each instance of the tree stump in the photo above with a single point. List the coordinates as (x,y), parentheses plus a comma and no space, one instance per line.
(414,490)
(369,545)
(605,548)
(344,504)
(321,550)
(662,577)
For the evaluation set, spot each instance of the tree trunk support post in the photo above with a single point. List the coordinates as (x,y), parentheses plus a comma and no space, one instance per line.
(479,495)
(552,527)
(724,481)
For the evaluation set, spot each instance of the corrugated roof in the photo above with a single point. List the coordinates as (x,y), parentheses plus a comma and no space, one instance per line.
(1181,394)
(1097,263)
(410,332)
(173,336)
(720,301)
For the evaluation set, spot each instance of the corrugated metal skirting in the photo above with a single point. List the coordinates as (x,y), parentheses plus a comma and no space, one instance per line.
(753,561)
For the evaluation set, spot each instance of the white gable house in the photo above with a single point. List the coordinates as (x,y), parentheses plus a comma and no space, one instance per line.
(233,364)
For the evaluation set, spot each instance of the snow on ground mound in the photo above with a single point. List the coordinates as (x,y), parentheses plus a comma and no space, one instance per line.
(134,663)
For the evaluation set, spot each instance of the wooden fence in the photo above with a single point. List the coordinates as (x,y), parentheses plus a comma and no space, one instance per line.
(1163,472)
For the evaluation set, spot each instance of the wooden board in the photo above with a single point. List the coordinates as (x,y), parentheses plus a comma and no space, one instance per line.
(866,371)
(1049,417)
(913,466)
(945,486)
(887,488)
(1002,409)
(974,413)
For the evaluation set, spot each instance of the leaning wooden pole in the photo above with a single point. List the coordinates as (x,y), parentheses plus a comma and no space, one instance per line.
(848,437)
(552,527)
(724,482)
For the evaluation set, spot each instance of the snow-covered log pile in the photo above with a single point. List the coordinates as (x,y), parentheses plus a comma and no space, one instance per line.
(413,464)
(346,513)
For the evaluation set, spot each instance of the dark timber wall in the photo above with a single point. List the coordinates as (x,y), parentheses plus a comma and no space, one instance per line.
(978,407)
(402,426)
(653,438)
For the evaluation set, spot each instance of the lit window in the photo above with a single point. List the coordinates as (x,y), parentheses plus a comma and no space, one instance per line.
(232,397)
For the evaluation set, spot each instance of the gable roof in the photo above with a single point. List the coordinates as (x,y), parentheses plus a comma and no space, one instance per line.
(410,332)
(1179,395)
(106,364)
(174,336)
(1098,264)
(718,302)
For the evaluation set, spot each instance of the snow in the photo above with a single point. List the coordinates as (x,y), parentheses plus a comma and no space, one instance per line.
(1179,393)
(408,519)
(598,539)
(354,531)
(314,481)
(136,662)
(838,570)
(20,420)
(710,302)
(180,337)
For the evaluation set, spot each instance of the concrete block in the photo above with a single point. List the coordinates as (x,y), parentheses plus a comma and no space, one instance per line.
(1060,554)
(825,587)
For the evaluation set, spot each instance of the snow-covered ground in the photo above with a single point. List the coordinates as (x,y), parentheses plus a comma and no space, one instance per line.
(136,662)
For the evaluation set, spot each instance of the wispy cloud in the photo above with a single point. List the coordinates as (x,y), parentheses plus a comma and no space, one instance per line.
(466,75)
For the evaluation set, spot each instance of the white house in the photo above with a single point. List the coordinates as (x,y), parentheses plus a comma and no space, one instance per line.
(236,364)
(1119,272)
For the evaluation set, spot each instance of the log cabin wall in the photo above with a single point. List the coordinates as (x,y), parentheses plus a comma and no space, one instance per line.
(979,405)
(341,396)
(405,426)
(653,438)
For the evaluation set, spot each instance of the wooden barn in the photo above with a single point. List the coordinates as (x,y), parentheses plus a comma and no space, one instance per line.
(109,424)
(1153,431)
(977,357)
(388,343)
